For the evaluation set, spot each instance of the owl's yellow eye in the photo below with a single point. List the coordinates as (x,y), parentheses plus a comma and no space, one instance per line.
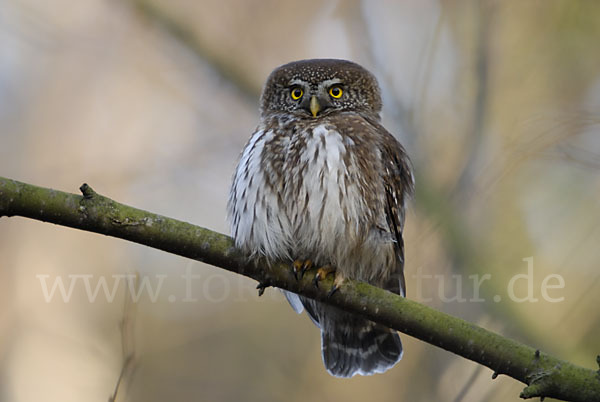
(296,93)
(335,92)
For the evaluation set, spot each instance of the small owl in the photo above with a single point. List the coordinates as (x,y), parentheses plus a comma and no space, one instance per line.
(321,183)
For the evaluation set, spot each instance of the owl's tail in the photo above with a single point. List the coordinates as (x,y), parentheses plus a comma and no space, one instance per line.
(351,345)
(358,346)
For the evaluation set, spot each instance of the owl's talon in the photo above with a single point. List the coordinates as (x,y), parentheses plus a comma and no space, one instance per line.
(300,267)
(308,264)
(316,280)
(322,273)
(295,268)
(333,289)
(337,282)
(262,286)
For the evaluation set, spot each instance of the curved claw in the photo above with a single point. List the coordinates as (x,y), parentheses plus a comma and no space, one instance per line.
(316,280)
(299,267)
(322,273)
(262,286)
(308,264)
(333,289)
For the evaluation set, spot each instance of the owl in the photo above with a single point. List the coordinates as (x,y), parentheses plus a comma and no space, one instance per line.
(323,185)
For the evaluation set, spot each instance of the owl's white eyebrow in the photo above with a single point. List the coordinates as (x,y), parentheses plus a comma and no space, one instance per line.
(326,83)
(296,82)
(331,82)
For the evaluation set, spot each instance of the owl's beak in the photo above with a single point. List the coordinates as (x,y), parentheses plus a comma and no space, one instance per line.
(314,106)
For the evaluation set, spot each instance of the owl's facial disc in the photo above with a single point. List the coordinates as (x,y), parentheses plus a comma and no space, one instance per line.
(314,99)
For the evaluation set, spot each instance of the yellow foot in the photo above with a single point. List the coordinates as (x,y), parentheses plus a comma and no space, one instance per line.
(322,273)
(300,267)
(337,282)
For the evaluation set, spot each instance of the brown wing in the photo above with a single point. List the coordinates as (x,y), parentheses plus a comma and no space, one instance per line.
(399,183)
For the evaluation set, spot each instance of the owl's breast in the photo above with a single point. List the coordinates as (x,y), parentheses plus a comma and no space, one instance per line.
(326,201)
(304,191)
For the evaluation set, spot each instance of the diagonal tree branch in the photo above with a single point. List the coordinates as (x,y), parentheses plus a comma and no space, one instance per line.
(545,375)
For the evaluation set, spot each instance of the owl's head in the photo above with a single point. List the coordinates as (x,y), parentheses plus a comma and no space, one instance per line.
(319,87)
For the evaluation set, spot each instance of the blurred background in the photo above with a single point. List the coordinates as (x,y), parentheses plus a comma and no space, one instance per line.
(151,101)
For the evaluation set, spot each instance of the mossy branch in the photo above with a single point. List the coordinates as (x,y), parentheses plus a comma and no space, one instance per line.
(545,375)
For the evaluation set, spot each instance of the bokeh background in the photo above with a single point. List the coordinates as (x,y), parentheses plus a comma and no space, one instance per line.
(151,101)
